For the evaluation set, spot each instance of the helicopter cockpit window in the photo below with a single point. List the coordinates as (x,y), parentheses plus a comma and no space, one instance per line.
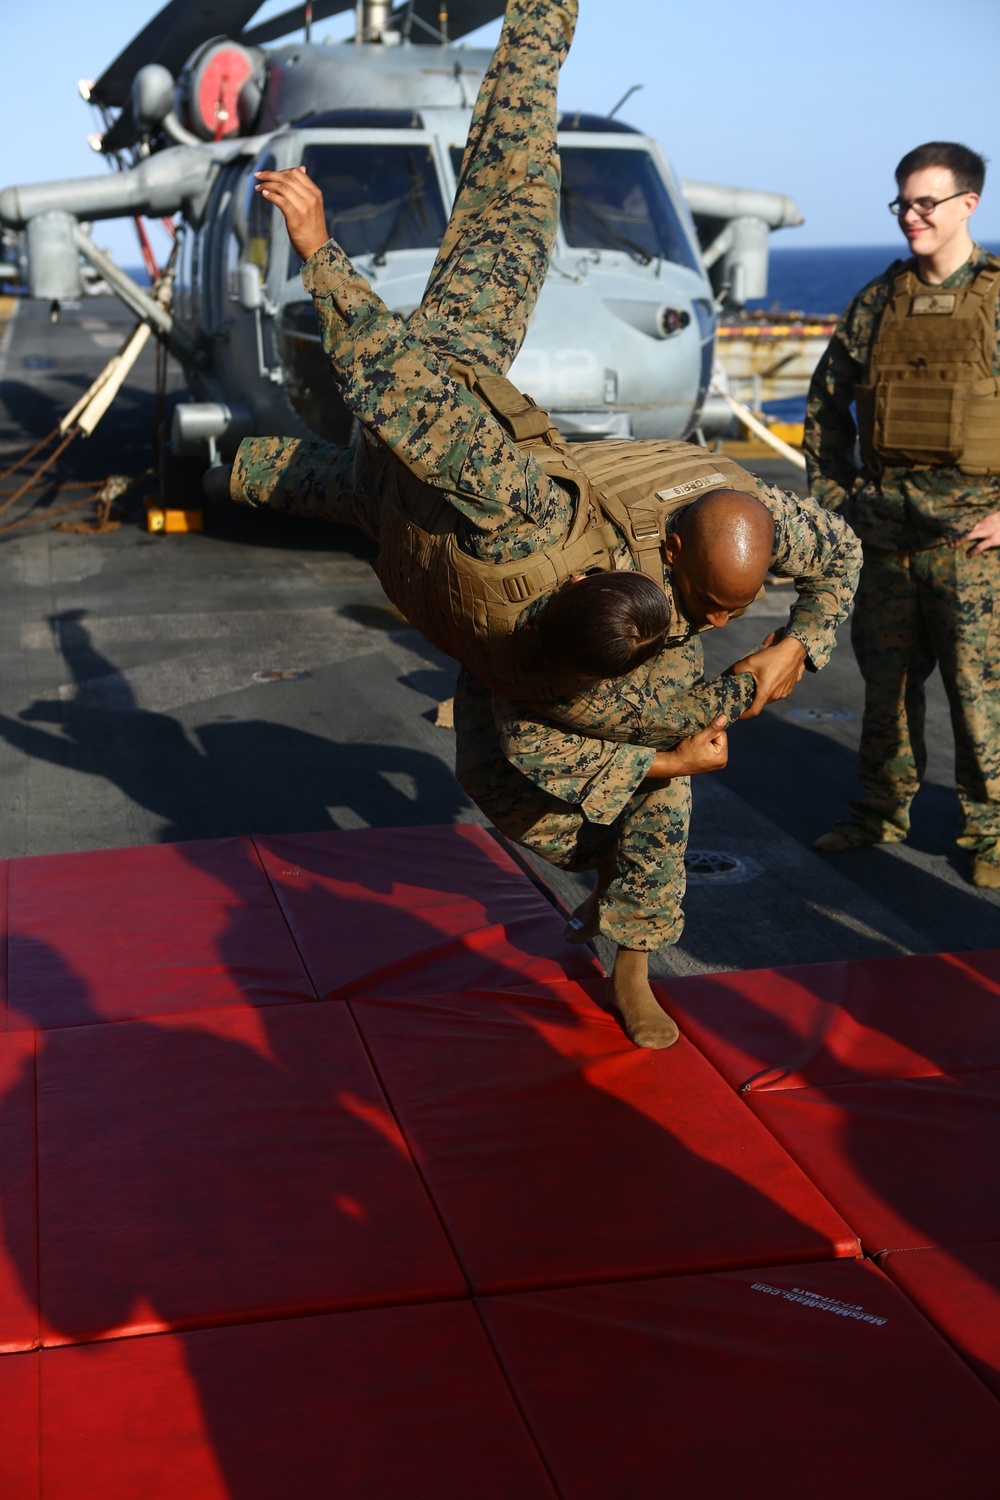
(259,216)
(378,198)
(617,200)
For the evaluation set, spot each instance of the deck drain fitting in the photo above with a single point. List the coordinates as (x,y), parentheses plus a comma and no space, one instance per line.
(719,867)
(808,714)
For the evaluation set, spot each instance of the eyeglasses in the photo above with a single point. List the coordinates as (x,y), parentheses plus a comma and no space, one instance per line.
(923,206)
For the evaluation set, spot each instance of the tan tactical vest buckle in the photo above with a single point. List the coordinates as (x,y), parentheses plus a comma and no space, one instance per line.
(519,588)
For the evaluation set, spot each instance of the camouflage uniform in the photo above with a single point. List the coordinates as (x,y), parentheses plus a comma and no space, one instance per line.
(920,602)
(598,809)
(576,799)
(393,374)
(573,797)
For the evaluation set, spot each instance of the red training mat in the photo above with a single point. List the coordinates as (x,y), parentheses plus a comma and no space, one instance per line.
(557,1152)
(755,1383)
(155,930)
(412,911)
(405,1401)
(822,1024)
(911,1162)
(222,1168)
(4,882)
(959,1290)
(19,1427)
(18,1196)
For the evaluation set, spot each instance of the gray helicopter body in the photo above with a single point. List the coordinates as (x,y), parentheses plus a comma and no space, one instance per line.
(621,343)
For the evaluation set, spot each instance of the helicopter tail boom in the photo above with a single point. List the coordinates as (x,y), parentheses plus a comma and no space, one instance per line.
(173,181)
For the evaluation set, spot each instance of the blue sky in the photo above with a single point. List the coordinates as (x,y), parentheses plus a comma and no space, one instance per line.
(819,102)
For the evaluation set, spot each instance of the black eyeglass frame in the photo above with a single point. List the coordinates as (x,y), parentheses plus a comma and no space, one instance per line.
(900,207)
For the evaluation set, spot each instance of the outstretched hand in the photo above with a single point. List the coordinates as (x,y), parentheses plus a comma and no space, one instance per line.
(300,201)
(776,668)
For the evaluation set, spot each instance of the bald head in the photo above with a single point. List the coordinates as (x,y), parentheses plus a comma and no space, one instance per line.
(720,553)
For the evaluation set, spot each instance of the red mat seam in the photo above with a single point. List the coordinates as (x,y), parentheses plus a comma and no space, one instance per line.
(38,1208)
(38,1419)
(590,1278)
(809,1177)
(502,1369)
(547,891)
(5,938)
(744,1098)
(461,942)
(745,1088)
(409,1148)
(951,1071)
(922,1312)
(281,911)
(256,1320)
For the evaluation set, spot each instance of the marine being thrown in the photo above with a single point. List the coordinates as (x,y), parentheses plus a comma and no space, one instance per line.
(918,351)
(570,583)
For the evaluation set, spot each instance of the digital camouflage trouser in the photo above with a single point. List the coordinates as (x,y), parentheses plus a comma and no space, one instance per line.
(912,613)
(481,292)
(642,905)
(496,250)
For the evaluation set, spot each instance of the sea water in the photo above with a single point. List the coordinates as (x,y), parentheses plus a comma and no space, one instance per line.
(824,280)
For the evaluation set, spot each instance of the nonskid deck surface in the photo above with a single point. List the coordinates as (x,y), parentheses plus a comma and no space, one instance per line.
(325,1173)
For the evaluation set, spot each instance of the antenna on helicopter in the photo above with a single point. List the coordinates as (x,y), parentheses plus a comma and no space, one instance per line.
(625,98)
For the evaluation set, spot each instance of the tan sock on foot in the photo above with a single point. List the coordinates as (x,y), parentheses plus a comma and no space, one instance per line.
(645,1021)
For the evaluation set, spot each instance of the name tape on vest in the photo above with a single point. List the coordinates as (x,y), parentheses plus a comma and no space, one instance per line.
(691,486)
(933,302)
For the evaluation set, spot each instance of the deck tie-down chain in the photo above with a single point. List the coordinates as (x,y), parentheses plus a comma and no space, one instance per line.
(80,421)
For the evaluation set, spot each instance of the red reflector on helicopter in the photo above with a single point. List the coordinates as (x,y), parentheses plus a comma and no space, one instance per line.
(212,89)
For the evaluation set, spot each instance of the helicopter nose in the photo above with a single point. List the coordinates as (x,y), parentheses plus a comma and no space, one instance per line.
(656,321)
(671,320)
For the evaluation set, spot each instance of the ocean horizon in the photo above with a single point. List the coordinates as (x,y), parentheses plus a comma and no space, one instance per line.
(807,279)
(824,279)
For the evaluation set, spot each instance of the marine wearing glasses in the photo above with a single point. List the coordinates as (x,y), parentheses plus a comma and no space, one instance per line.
(925,207)
(916,357)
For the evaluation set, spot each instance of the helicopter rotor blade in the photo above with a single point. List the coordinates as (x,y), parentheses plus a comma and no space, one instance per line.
(292,20)
(170,38)
(463,16)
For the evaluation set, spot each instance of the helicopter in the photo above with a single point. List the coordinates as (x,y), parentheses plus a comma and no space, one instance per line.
(622,340)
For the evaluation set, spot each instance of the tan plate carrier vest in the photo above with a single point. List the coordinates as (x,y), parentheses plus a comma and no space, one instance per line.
(931,397)
(624,495)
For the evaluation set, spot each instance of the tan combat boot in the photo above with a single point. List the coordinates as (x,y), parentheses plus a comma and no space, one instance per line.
(851,835)
(986,871)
